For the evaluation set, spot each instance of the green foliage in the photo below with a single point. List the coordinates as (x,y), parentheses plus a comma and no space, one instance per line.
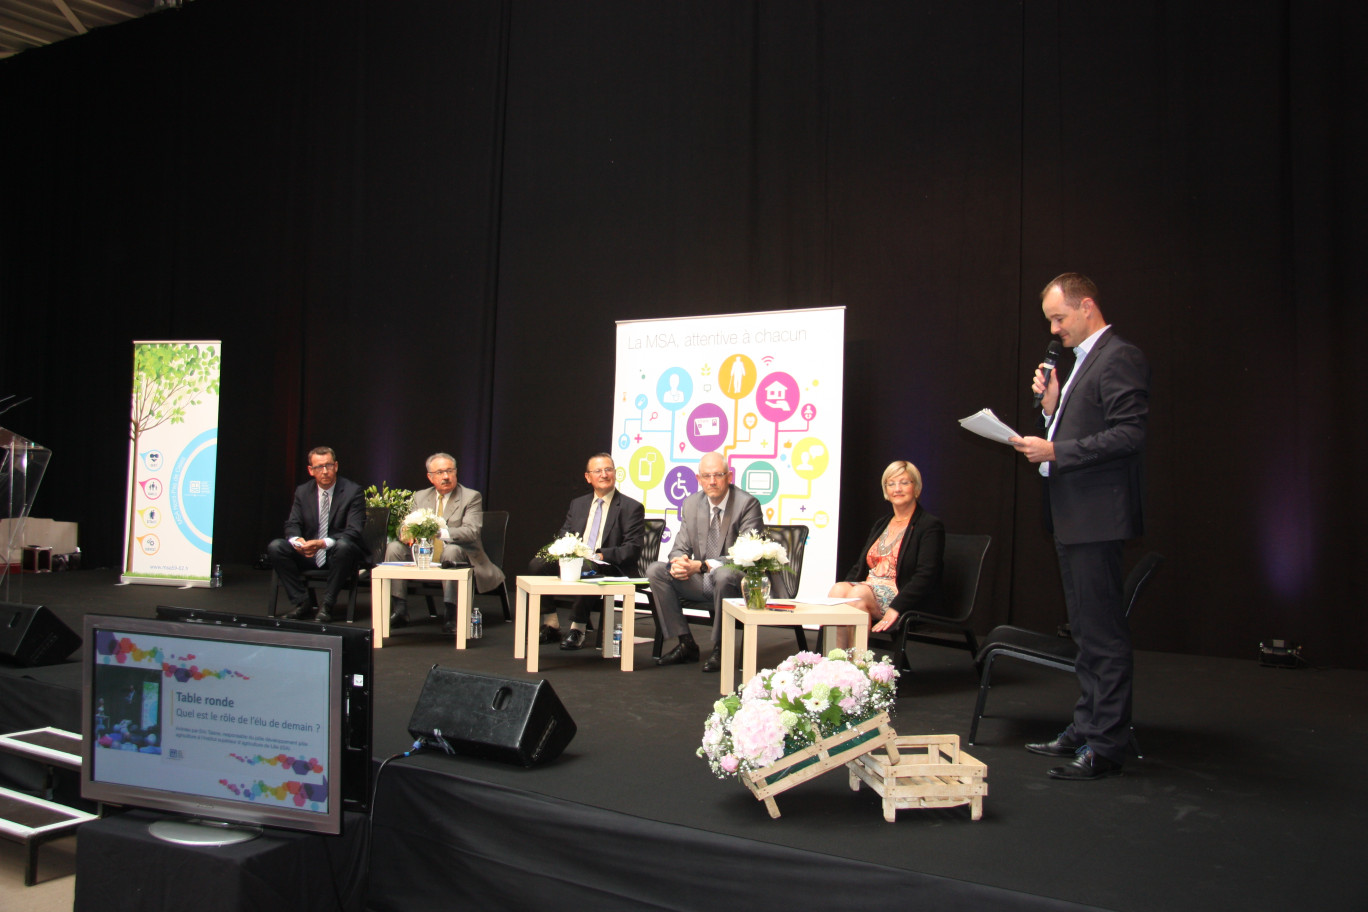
(167,379)
(398,500)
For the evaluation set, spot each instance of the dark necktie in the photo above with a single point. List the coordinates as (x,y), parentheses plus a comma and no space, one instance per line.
(324,509)
(713,546)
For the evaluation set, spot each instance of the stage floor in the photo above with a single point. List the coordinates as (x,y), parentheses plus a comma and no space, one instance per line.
(1251,794)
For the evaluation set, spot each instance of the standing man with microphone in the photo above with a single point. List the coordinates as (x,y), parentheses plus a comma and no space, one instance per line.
(1094,491)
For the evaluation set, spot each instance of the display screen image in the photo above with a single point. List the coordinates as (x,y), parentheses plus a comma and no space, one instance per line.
(229,723)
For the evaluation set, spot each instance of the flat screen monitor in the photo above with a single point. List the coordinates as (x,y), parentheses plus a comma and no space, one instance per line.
(358,664)
(235,724)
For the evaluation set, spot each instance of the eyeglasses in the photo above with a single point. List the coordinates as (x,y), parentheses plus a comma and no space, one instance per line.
(443,472)
(324,467)
(899,484)
(712,476)
(600,471)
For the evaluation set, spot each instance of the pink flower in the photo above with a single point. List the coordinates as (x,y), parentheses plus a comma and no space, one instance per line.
(883,673)
(729,763)
(758,733)
(842,674)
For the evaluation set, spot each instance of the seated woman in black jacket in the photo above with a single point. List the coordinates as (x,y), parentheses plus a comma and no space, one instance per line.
(899,567)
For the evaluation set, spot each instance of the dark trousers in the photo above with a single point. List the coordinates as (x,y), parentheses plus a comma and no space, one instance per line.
(340,563)
(1091,574)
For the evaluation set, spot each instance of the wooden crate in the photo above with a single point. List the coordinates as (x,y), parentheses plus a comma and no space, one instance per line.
(922,771)
(821,756)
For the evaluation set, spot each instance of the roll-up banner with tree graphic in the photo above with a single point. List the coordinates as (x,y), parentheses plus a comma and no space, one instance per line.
(172,459)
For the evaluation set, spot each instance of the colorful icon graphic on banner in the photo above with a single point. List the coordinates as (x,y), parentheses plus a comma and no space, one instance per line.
(777,397)
(809,458)
(151,517)
(151,488)
(152,460)
(707,428)
(647,467)
(149,543)
(682,483)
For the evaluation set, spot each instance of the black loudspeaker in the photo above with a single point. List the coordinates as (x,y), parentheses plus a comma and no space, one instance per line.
(33,635)
(521,722)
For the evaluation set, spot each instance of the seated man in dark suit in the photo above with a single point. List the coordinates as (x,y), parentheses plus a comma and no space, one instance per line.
(322,532)
(612,524)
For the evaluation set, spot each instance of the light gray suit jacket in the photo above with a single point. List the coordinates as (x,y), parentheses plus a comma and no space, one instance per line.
(464,515)
(742,515)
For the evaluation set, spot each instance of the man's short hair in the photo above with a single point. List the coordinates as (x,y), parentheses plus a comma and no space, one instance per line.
(320,451)
(900,467)
(427,464)
(1074,286)
(608,456)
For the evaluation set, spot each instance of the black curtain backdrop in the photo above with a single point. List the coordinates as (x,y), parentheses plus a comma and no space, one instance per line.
(414,225)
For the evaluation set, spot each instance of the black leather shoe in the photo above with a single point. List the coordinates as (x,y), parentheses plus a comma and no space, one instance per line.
(714,662)
(548,634)
(1061,746)
(324,616)
(1087,764)
(574,639)
(301,613)
(683,653)
(398,619)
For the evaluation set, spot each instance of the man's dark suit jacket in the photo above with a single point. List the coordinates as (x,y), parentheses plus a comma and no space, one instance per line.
(1096,486)
(624,525)
(920,557)
(346,516)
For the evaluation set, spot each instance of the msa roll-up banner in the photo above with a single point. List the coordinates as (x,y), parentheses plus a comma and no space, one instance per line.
(762,389)
(172,460)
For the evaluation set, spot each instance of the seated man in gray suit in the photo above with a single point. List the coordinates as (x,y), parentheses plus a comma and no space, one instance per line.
(463,510)
(713,517)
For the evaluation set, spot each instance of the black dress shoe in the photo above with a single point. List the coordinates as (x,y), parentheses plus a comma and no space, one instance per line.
(399,619)
(714,662)
(548,634)
(1087,764)
(681,654)
(1061,746)
(324,616)
(574,639)
(301,613)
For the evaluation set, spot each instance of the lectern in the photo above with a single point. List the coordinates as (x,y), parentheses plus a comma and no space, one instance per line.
(22,464)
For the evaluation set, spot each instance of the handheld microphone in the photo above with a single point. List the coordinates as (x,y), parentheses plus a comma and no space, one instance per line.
(1051,359)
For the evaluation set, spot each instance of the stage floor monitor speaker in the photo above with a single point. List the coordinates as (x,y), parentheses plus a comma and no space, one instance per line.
(478,715)
(32,635)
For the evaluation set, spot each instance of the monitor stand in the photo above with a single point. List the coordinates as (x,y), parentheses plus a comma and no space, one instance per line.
(199,831)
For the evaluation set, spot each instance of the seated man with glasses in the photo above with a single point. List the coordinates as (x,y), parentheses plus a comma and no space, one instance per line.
(612,524)
(463,510)
(695,570)
(323,531)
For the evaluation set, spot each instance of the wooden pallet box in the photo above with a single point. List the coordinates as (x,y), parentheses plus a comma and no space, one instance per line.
(922,771)
(819,757)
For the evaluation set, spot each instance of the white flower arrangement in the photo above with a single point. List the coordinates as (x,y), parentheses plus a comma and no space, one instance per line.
(784,709)
(752,553)
(567,547)
(422,523)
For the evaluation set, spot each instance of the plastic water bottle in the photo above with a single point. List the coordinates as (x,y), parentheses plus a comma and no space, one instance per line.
(216,578)
(617,642)
(476,624)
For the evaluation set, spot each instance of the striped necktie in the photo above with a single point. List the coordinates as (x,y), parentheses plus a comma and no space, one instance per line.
(324,508)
